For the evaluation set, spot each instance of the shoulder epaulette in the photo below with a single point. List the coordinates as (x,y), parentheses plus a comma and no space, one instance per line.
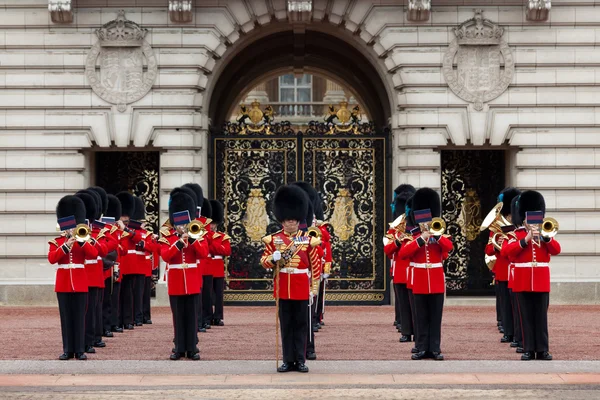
(100,236)
(54,242)
(447,236)
(164,231)
(267,239)
(114,229)
(314,242)
(125,234)
(512,234)
(163,240)
(389,236)
(226,237)
(216,235)
(102,231)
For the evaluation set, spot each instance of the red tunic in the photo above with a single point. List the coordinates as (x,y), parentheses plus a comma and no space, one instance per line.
(531,263)
(400,266)
(70,276)
(220,247)
(502,263)
(183,275)
(93,267)
(130,260)
(145,256)
(426,258)
(326,246)
(294,277)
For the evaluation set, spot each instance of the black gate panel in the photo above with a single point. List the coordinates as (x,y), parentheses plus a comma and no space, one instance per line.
(471,182)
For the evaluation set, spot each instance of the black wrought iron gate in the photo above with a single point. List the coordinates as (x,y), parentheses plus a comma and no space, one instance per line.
(349,169)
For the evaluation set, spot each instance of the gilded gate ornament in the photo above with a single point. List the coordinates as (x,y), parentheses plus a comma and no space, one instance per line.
(343,219)
(470,215)
(472,63)
(256,219)
(254,119)
(122,55)
(343,120)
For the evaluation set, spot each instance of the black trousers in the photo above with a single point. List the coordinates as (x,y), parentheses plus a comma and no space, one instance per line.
(99,321)
(429,308)
(310,335)
(146,300)
(534,317)
(71,307)
(132,294)
(321,304)
(518,337)
(506,309)
(218,292)
(93,296)
(185,323)
(498,308)
(107,305)
(403,304)
(397,315)
(116,318)
(293,319)
(413,312)
(207,287)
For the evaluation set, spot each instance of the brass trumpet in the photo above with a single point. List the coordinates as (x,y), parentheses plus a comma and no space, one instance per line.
(82,233)
(314,232)
(437,226)
(195,230)
(549,228)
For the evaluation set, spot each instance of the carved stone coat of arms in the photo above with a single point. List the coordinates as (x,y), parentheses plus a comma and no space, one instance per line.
(478,65)
(121,66)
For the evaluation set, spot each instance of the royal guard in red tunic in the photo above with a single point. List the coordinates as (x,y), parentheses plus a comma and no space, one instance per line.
(69,252)
(143,250)
(530,249)
(501,264)
(516,309)
(393,241)
(293,255)
(220,247)
(427,253)
(93,269)
(327,265)
(180,249)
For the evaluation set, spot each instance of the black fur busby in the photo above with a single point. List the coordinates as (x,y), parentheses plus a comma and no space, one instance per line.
(91,207)
(103,197)
(427,198)
(197,189)
(401,194)
(290,203)
(530,200)
(71,205)
(98,201)
(181,201)
(140,210)
(218,214)
(506,196)
(408,210)
(315,203)
(188,191)
(206,210)
(318,209)
(114,207)
(127,203)
(514,212)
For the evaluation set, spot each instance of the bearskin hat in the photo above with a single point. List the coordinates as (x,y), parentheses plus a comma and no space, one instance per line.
(427,198)
(186,190)
(197,189)
(103,197)
(530,200)
(91,207)
(180,201)
(315,201)
(140,210)
(97,200)
(114,207)
(71,205)
(408,211)
(218,214)
(401,194)
(290,203)
(206,210)
(514,212)
(506,196)
(318,210)
(127,203)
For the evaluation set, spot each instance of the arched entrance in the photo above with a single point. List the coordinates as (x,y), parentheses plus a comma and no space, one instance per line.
(349,167)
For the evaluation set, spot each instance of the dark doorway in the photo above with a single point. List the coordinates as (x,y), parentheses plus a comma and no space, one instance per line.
(136,172)
(471,182)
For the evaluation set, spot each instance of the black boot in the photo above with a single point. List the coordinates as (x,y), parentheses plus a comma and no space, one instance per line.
(80,356)
(421,355)
(405,338)
(66,356)
(285,367)
(527,356)
(543,355)
(506,339)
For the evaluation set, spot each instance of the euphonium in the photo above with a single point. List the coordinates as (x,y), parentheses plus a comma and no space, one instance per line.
(549,227)
(314,232)
(195,230)
(437,226)
(82,233)
(495,221)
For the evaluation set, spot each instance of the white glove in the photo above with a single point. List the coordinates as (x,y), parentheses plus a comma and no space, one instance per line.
(325,276)
(276,255)
(311,299)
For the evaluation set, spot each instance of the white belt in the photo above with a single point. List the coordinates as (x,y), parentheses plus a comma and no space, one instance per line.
(91,261)
(131,252)
(148,257)
(217,257)
(430,265)
(531,264)
(294,271)
(140,253)
(182,266)
(70,266)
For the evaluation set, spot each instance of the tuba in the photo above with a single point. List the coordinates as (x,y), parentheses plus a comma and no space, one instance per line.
(82,233)
(314,232)
(437,226)
(549,228)
(195,230)
(495,221)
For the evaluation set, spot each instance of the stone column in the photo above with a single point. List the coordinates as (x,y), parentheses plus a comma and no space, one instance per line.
(334,94)
(259,93)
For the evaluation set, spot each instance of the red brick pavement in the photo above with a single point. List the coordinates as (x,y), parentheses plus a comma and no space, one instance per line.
(351,333)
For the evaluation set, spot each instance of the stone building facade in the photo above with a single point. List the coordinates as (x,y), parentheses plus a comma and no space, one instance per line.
(440,75)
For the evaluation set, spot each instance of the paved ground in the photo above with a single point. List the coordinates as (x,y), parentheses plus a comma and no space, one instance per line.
(351,333)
